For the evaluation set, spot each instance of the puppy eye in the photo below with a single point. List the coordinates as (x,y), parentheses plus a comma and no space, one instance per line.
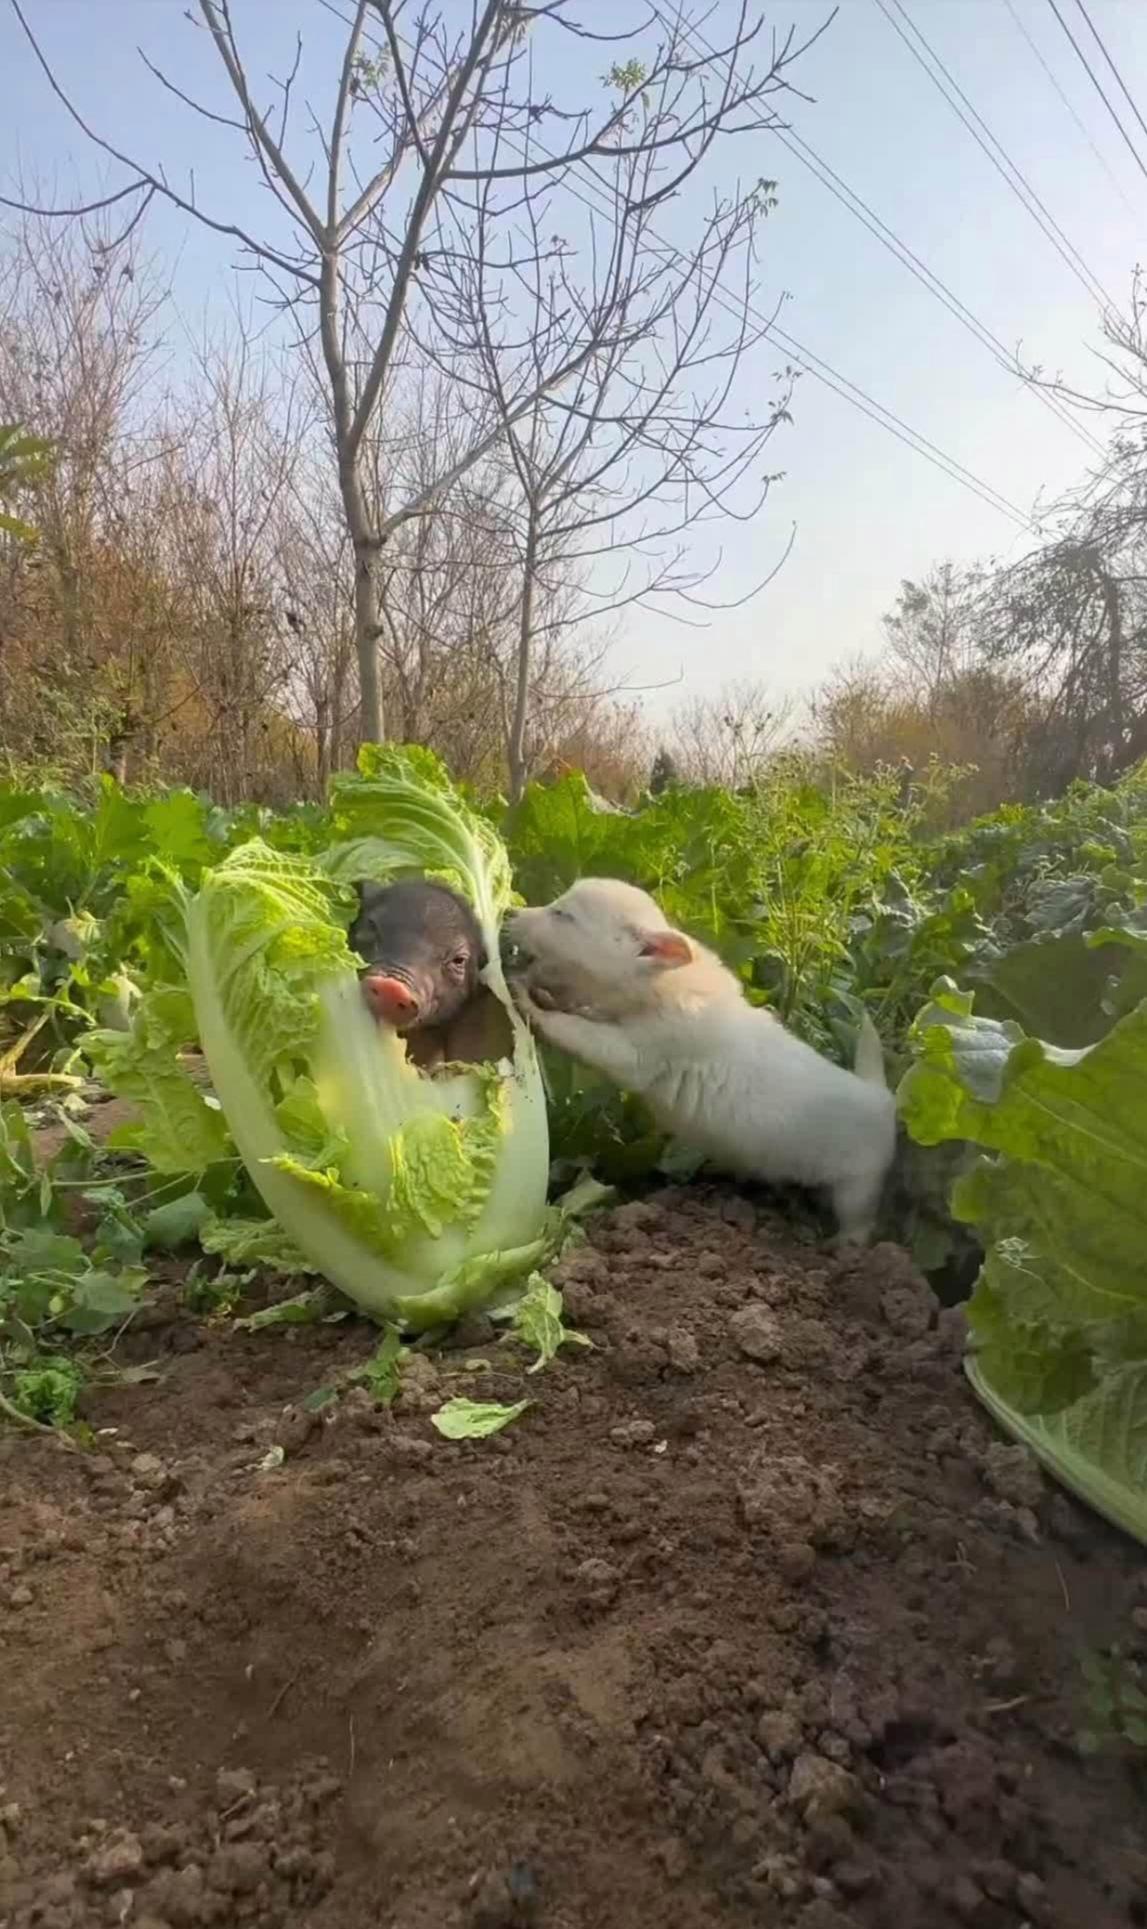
(565,916)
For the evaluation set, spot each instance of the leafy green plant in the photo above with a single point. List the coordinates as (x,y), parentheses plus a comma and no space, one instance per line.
(826,892)
(55,1292)
(536,1322)
(46,1390)
(214,1294)
(73,1272)
(381,1375)
(825,855)
(416,1196)
(1059,1313)
(1115,1689)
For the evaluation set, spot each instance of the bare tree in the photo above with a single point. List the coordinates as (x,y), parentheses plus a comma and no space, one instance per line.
(1070,619)
(973,726)
(664,774)
(729,739)
(316,623)
(79,612)
(932,630)
(610,746)
(615,470)
(426,160)
(241,436)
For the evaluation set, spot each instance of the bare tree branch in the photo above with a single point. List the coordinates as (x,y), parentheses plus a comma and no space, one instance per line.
(442,253)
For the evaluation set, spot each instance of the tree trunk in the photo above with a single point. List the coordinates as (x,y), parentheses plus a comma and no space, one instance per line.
(367,625)
(1113,671)
(322,743)
(516,749)
(118,746)
(366,630)
(338,706)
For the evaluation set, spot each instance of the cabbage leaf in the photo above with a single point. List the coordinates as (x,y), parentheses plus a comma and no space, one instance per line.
(1059,1201)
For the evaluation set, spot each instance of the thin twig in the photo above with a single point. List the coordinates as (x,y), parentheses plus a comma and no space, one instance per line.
(284,1691)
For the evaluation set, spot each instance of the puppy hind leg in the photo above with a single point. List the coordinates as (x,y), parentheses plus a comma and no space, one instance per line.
(856,1201)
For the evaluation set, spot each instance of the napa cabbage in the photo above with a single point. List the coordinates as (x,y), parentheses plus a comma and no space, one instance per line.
(417,1196)
(1058,1200)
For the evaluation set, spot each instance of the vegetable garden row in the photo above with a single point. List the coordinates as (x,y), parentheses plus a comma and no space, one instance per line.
(1005,966)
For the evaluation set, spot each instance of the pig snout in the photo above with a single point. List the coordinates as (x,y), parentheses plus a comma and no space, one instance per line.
(390,1000)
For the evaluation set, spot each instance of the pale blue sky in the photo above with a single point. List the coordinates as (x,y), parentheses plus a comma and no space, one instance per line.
(867,510)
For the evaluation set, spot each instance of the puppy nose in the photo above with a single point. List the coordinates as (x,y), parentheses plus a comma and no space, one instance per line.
(390,1000)
(510,946)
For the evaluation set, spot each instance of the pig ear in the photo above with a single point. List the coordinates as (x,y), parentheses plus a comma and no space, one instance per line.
(665,949)
(367,890)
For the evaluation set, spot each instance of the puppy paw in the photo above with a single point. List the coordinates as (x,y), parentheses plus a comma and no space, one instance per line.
(529,1009)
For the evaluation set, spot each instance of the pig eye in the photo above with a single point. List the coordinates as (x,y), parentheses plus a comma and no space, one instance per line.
(459,959)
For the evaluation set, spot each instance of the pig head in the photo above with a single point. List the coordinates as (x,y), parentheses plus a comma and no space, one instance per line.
(422,950)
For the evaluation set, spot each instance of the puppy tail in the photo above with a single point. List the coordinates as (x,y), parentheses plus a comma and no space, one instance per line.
(869,1061)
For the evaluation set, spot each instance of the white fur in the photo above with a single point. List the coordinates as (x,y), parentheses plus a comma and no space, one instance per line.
(663,1017)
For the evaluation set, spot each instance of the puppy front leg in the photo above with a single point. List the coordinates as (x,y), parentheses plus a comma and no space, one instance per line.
(604,1047)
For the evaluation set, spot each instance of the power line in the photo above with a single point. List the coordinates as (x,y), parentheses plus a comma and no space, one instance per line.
(1000,159)
(856,205)
(1101,44)
(948,465)
(824,372)
(934,285)
(816,366)
(1080,123)
(1093,77)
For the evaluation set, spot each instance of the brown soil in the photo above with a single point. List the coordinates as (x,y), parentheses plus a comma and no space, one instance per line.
(749,1622)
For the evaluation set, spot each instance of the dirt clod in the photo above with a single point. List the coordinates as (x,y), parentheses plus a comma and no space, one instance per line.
(683,1351)
(1013,1475)
(820,1788)
(757,1332)
(118,1859)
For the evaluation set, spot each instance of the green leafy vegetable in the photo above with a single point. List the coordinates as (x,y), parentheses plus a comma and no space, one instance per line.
(381,1375)
(1116,1692)
(179,1222)
(54,1290)
(304,1309)
(180,1127)
(418,1197)
(47,1390)
(461,1419)
(537,1323)
(1059,1314)
(254,1242)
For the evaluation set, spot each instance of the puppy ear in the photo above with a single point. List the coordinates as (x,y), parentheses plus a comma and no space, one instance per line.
(665,949)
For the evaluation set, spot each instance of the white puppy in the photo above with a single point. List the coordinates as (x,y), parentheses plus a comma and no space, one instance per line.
(603,976)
